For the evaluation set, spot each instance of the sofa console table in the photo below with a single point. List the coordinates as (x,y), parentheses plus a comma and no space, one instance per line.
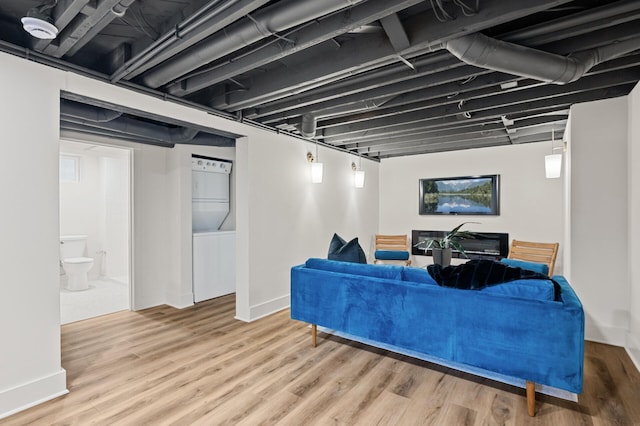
(488,245)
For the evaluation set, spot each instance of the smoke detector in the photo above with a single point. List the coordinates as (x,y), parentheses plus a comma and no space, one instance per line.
(39,28)
(38,23)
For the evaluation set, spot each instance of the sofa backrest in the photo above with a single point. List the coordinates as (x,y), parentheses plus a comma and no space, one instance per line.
(391,272)
(524,289)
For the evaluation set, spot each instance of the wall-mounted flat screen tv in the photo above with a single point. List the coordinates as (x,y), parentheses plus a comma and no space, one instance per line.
(468,195)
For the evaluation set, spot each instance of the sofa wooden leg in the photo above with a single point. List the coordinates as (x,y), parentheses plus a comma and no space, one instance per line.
(314,332)
(531,398)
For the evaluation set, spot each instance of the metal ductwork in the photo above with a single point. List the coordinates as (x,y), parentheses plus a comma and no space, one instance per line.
(482,51)
(209,139)
(308,125)
(74,110)
(134,130)
(86,130)
(135,127)
(201,138)
(106,122)
(278,17)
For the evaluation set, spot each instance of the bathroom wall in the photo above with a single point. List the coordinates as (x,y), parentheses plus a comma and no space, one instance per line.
(114,232)
(98,206)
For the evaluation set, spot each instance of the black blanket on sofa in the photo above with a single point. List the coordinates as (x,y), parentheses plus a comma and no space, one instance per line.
(480,273)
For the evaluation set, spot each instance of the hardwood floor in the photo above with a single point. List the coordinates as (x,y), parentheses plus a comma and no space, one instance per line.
(199,366)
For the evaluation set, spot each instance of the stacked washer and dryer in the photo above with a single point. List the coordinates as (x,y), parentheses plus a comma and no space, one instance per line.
(213,250)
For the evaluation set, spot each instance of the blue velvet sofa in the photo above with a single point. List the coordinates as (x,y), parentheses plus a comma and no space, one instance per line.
(513,332)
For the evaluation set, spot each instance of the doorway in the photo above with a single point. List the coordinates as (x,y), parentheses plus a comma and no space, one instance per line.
(95,207)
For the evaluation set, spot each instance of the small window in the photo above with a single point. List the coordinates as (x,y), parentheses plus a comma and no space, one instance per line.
(69,170)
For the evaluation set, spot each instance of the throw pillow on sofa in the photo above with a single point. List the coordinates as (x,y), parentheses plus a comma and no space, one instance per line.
(391,255)
(344,251)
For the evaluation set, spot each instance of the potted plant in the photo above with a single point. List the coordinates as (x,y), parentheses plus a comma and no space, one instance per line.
(441,247)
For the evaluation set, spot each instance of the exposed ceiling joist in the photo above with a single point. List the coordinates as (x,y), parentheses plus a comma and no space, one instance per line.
(310,35)
(396,33)
(381,76)
(388,127)
(62,15)
(371,76)
(205,22)
(474,130)
(425,32)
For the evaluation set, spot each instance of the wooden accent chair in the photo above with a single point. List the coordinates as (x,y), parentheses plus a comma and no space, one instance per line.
(392,249)
(534,252)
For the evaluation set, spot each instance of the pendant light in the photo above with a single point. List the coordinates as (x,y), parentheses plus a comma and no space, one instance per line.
(316,166)
(358,174)
(553,162)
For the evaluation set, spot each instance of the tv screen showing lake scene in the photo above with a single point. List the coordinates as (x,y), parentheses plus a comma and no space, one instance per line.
(470,195)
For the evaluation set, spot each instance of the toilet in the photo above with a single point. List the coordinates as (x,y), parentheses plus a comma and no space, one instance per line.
(74,263)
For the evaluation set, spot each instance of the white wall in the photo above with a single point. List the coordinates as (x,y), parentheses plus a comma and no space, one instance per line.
(269,200)
(30,369)
(280,218)
(599,216)
(633,338)
(292,219)
(116,207)
(531,206)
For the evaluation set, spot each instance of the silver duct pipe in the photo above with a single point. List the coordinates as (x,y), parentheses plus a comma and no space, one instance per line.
(147,135)
(308,125)
(134,127)
(212,140)
(323,29)
(87,112)
(280,16)
(206,21)
(482,51)
(118,10)
(72,127)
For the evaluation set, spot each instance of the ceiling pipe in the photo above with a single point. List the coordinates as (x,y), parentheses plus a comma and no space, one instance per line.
(212,140)
(305,37)
(135,127)
(482,51)
(157,135)
(87,112)
(619,12)
(196,27)
(118,10)
(86,130)
(84,28)
(308,126)
(278,17)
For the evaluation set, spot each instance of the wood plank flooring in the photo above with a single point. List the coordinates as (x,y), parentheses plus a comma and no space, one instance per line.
(199,366)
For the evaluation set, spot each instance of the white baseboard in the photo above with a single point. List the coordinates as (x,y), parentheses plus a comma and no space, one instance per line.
(180,301)
(633,349)
(595,332)
(33,393)
(269,307)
